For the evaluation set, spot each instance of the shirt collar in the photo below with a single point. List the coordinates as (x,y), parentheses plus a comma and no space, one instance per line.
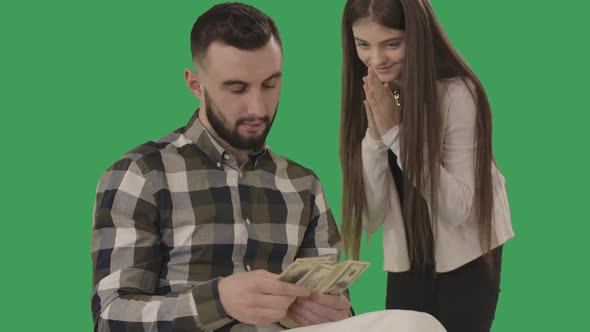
(198,134)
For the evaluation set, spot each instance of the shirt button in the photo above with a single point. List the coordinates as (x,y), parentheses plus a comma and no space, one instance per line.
(248,267)
(247,221)
(218,164)
(226,156)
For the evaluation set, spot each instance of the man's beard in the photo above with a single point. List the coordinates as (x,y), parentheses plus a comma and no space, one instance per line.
(229,133)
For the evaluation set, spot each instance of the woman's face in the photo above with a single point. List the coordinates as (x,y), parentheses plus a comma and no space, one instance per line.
(380,48)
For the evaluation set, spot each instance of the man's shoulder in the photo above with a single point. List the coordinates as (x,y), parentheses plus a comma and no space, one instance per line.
(291,168)
(148,156)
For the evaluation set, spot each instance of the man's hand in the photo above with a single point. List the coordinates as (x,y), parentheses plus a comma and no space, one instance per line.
(319,308)
(258,297)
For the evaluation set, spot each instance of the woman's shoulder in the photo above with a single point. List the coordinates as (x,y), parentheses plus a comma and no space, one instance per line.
(457,97)
(456,88)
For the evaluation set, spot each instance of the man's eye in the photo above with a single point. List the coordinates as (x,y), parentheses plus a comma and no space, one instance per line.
(239,90)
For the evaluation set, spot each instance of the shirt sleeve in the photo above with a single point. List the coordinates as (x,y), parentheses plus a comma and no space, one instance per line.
(378,183)
(321,236)
(127,258)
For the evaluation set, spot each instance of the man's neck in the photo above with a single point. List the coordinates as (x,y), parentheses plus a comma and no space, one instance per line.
(240,155)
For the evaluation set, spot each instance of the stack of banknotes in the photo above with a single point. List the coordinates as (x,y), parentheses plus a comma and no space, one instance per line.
(321,274)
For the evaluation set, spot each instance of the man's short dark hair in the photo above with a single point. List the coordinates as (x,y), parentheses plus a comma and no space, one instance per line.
(235,24)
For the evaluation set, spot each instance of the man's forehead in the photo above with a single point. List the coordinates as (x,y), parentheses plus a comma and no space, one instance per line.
(223,62)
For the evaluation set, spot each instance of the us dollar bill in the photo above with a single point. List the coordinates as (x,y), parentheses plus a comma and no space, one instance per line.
(301,266)
(342,277)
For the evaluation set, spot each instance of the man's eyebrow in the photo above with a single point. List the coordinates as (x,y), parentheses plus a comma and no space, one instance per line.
(278,74)
(233,82)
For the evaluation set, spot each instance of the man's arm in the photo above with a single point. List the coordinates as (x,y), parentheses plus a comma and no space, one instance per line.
(127,258)
(321,238)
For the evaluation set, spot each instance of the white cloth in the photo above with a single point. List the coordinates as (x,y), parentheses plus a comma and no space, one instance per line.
(384,320)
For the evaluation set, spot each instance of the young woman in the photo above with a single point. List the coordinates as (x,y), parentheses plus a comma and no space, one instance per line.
(416,154)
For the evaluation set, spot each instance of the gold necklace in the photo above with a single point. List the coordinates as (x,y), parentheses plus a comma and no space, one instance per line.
(396,96)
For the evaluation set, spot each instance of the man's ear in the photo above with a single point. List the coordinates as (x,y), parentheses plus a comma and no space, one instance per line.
(194,83)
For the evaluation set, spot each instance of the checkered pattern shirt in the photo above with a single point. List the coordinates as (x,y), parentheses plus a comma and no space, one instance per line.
(173,216)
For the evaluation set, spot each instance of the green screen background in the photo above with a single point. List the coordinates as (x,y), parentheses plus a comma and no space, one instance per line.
(83,82)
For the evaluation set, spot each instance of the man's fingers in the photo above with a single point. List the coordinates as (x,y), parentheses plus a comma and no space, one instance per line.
(337,302)
(302,321)
(265,274)
(309,315)
(273,301)
(268,315)
(323,311)
(277,287)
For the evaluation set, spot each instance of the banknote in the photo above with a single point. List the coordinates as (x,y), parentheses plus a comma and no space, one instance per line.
(315,276)
(337,283)
(294,272)
(324,259)
(322,276)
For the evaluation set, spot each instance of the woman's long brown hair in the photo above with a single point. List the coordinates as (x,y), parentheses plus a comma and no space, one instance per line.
(430,57)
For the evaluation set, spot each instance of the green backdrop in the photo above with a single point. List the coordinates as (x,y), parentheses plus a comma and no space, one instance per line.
(83,82)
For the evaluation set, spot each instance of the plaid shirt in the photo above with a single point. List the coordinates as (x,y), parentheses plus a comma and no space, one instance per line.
(173,216)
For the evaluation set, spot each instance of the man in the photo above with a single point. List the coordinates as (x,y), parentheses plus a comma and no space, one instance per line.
(191,231)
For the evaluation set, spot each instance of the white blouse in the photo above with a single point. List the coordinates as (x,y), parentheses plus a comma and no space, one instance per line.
(457,231)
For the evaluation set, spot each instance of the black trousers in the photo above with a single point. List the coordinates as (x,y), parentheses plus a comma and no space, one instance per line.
(462,300)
